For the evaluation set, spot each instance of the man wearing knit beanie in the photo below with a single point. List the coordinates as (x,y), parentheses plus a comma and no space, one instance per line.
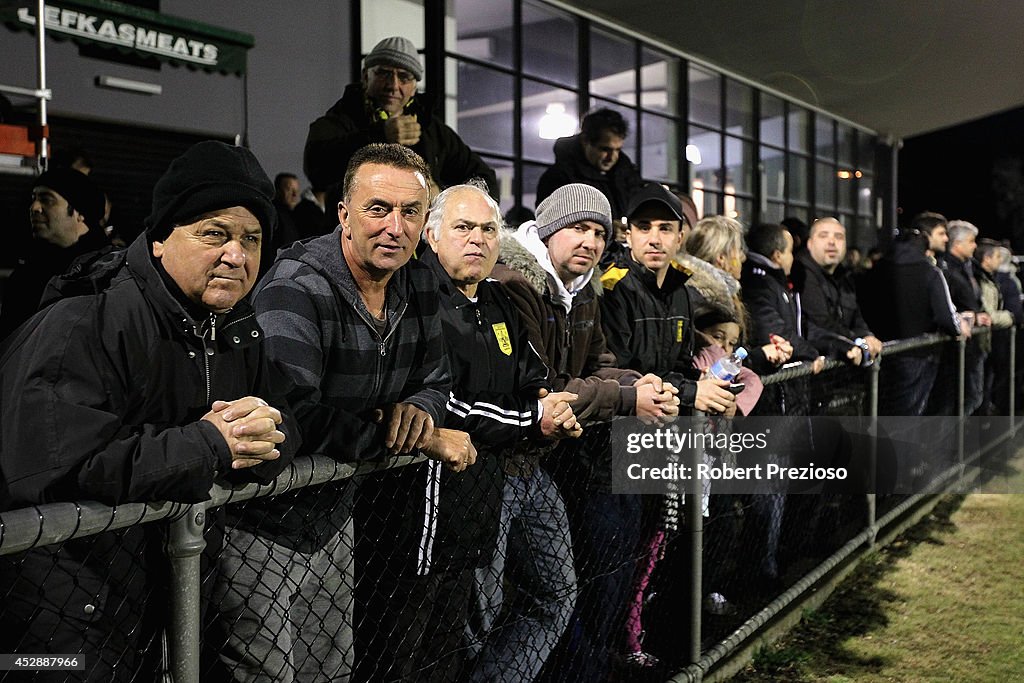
(144,381)
(546,267)
(65,215)
(385,107)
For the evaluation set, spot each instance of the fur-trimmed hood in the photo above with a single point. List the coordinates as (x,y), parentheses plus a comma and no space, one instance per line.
(523,251)
(713,284)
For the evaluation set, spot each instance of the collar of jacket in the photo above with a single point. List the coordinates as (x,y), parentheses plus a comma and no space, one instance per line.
(674,278)
(765,264)
(445,286)
(324,255)
(235,329)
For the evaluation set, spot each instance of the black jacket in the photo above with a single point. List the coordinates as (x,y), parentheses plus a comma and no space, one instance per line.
(350,124)
(102,396)
(24,289)
(571,166)
(962,281)
(831,316)
(905,296)
(772,308)
(496,377)
(650,329)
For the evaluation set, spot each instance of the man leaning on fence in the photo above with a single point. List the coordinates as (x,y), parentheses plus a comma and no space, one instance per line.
(145,381)
(421,598)
(353,325)
(547,266)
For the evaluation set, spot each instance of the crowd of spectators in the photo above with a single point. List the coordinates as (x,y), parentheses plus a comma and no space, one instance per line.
(252,323)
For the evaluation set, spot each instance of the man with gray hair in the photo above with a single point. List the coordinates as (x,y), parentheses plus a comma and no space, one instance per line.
(958,266)
(386,107)
(500,396)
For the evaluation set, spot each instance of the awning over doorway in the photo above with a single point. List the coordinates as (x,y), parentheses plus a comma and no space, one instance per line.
(129,29)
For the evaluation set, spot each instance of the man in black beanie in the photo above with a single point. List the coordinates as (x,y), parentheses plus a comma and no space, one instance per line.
(65,214)
(144,381)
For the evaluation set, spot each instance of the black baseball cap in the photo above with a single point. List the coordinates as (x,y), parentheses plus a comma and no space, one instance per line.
(655,192)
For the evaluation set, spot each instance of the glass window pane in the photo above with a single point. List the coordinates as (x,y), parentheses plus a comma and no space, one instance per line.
(612,67)
(825,187)
(773,163)
(556,109)
(659,158)
(705,97)
(549,44)
(800,212)
(853,232)
(796,187)
(740,208)
(847,190)
(629,146)
(773,120)
(739,165)
(798,129)
(483,30)
(739,108)
(845,153)
(704,152)
(707,203)
(864,204)
(505,170)
(485,117)
(531,176)
(773,213)
(867,231)
(865,151)
(659,80)
(824,142)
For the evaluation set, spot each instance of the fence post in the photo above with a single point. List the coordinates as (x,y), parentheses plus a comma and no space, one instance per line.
(961,423)
(1012,402)
(873,371)
(695,551)
(184,545)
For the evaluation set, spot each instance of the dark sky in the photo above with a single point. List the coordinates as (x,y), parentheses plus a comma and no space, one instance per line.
(974,171)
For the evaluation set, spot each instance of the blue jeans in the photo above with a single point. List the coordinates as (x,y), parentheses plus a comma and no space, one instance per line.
(607,531)
(908,381)
(534,558)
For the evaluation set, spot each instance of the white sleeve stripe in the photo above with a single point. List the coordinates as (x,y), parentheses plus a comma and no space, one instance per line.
(482,405)
(515,421)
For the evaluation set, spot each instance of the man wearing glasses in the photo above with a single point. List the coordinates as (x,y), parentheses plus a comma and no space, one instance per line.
(385,107)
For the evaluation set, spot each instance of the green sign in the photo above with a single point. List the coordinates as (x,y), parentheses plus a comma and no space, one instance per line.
(131,29)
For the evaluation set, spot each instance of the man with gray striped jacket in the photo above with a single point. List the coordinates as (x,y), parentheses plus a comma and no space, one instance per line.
(352,323)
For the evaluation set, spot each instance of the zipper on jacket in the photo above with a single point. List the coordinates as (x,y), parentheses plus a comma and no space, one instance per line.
(479,318)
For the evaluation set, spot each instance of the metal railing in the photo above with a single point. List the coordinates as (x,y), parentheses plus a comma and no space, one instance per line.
(43,525)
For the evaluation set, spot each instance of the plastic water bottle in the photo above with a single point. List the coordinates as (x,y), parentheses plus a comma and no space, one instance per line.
(727,367)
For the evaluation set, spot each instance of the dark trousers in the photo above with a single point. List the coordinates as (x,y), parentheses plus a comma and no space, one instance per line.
(606,531)
(907,382)
(411,628)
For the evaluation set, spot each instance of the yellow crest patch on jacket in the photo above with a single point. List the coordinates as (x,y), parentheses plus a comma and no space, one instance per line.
(501,334)
(611,277)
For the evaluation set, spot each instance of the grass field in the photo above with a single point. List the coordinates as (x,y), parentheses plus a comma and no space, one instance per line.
(944,602)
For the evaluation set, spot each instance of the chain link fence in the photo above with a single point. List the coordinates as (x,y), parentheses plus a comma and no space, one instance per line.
(405,571)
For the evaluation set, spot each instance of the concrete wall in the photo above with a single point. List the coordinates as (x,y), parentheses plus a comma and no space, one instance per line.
(297,69)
